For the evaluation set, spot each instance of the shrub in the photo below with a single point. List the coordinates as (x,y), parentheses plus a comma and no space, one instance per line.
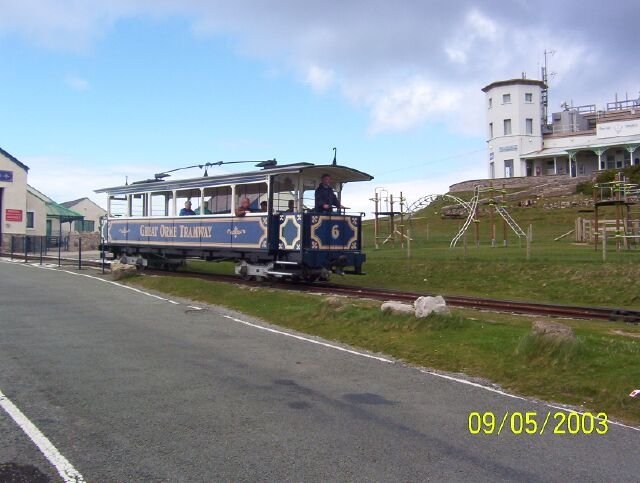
(585,188)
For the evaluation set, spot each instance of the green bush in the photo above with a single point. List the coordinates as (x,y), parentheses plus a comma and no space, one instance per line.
(585,188)
(632,173)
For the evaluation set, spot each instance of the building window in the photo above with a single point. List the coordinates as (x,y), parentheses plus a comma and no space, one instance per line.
(529,125)
(30,223)
(490,102)
(84,226)
(506,98)
(528,97)
(490,130)
(507,127)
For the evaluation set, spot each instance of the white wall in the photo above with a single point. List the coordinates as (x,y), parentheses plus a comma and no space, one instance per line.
(14,196)
(39,210)
(509,147)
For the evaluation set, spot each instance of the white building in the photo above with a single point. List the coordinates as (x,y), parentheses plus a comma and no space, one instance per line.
(13,196)
(579,140)
(25,211)
(92,214)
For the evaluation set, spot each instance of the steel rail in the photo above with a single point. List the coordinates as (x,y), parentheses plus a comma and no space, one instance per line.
(478,303)
(495,305)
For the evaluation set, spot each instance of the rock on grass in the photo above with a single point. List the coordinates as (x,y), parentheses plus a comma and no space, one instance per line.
(553,330)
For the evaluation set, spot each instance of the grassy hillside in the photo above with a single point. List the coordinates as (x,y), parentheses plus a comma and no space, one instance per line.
(557,271)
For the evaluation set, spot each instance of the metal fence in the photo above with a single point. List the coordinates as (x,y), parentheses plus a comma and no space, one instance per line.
(47,249)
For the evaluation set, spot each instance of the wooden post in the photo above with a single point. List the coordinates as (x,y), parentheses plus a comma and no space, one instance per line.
(392,227)
(476,229)
(604,244)
(505,241)
(402,232)
(595,228)
(376,201)
(529,236)
(464,244)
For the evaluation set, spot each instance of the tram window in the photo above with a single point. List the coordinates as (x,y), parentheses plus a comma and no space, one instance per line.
(285,194)
(217,201)
(309,193)
(183,196)
(256,192)
(139,204)
(117,206)
(162,204)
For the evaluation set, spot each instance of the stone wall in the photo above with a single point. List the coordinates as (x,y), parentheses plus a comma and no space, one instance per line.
(555,185)
(90,241)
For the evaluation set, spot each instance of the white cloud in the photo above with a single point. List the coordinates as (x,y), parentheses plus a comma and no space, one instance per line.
(318,78)
(476,27)
(357,196)
(77,83)
(77,181)
(410,104)
(405,63)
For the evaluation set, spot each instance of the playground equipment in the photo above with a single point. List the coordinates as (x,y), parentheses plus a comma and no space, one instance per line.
(495,207)
(623,196)
(395,231)
(384,207)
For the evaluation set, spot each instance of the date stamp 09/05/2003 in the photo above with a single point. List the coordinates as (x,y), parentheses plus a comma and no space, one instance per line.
(532,422)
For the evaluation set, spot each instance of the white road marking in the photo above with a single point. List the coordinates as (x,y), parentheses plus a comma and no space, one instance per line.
(66,470)
(350,351)
(299,337)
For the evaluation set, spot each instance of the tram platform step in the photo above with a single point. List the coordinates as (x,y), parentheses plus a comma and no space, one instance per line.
(280,274)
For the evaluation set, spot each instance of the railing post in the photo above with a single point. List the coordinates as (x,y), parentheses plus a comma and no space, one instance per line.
(26,248)
(41,239)
(59,250)
(79,253)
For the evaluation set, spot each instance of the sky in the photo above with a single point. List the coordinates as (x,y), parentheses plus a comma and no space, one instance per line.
(93,93)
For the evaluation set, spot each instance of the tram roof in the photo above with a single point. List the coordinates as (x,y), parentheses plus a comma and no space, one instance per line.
(340,174)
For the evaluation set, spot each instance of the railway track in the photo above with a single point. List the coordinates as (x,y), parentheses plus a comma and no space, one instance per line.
(495,305)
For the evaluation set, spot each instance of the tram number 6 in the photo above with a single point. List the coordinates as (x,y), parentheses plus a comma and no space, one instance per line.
(335,232)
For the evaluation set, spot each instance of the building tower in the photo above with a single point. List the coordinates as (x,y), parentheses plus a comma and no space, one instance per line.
(514,125)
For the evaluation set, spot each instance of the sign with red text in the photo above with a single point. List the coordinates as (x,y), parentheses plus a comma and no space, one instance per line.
(12,215)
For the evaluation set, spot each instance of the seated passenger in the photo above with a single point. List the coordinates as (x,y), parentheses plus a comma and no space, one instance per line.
(206,210)
(263,206)
(244,208)
(291,207)
(187,211)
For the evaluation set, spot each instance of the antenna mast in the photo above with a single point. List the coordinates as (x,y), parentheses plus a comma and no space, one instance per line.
(545,90)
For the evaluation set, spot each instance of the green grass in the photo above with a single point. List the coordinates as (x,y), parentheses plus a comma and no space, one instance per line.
(558,271)
(597,371)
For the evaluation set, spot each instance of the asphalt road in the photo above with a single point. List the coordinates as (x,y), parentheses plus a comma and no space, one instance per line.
(133,388)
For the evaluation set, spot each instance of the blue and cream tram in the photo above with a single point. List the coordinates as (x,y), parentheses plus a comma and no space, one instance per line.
(279,236)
